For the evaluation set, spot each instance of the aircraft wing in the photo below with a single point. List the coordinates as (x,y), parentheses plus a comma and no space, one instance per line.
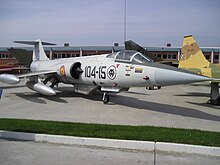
(15,79)
(36,73)
(6,69)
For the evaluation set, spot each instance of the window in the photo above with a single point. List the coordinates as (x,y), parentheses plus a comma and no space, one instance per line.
(54,56)
(159,55)
(73,55)
(3,56)
(216,57)
(140,59)
(59,56)
(174,56)
(169,56)
(165,56)
(207,57)
(125,55)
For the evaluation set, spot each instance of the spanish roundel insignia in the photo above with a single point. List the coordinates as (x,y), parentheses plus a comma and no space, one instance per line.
(62,71)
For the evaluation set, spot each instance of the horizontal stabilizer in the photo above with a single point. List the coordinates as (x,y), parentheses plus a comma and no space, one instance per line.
(33,42)
(38,51)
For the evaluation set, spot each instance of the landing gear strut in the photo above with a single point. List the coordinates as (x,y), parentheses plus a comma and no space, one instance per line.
(215,97)
(54,81)
(105,98)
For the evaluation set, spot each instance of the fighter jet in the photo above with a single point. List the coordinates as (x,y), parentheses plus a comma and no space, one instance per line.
(194,60)
(106,73)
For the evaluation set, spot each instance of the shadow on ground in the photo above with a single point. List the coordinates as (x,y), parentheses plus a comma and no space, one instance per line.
(127,101)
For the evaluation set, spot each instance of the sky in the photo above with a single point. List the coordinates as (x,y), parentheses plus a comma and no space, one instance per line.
(101,22)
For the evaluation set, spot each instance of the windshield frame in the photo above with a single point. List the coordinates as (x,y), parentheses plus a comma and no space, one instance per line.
(129,57)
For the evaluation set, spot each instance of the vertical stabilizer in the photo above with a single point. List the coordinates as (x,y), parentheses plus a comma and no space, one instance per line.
(38,51)
(192,56)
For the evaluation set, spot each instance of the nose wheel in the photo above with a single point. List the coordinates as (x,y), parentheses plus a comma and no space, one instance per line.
(105,98)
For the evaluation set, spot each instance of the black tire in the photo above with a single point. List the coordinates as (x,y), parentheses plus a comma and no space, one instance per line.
(106,99)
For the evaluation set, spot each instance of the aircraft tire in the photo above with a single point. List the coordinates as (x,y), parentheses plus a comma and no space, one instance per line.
(215,102)
(106,99)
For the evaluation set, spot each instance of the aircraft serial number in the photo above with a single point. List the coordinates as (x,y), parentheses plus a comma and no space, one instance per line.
(95,72)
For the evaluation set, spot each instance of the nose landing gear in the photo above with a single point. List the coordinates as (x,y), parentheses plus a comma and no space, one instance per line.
(105,98)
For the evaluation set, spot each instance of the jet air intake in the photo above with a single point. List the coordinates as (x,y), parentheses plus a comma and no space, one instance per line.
(70,70)
(75,70)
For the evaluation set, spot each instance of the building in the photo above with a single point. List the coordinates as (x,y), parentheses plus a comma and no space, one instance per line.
(165,53)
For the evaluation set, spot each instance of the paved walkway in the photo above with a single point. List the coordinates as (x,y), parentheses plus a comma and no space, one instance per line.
(20,153)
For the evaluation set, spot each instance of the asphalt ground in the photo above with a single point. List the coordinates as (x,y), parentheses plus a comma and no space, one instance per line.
(181,106)
(27,152)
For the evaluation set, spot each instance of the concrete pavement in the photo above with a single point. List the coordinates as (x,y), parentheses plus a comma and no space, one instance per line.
(20,153)
(113,143)
(182,106)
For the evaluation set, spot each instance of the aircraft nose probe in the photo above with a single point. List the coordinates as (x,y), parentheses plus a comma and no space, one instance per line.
(165,77)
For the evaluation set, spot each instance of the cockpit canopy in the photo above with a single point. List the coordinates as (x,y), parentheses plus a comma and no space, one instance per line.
(130,56)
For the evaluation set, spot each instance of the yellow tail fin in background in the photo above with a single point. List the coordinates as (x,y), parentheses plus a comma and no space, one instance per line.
(193,58)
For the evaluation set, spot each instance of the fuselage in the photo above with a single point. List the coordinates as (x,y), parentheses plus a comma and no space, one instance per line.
(110,70)
(107,73)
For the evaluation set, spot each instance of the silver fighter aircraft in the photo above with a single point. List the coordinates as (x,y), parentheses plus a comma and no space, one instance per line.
(106,73)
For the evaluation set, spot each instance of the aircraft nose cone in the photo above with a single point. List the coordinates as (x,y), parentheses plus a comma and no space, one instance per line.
(165,77)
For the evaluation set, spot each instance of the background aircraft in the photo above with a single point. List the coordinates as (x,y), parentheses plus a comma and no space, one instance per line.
(107,73)
(22,56)
(24,59)
(194,60)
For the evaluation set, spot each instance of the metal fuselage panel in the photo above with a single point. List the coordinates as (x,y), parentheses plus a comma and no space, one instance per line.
(100,71)
(107,72)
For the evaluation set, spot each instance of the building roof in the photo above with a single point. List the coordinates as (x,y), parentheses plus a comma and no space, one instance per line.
(162,49)
(210,49)
(87,48)
(4,49)
(108,48)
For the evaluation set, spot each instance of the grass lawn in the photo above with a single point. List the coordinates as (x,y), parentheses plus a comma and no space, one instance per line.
(144,133)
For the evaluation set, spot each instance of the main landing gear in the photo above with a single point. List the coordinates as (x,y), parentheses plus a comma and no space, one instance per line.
(105,98)
(54,81)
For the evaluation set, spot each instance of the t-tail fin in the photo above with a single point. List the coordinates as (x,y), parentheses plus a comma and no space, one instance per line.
(192,56)
(38,51)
